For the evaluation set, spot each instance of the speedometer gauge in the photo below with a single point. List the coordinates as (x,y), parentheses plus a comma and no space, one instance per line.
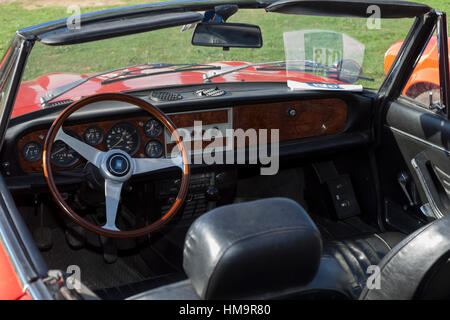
(123,136)
(62,155)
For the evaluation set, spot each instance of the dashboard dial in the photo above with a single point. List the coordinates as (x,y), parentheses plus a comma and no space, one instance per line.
(153,128)
(32,151)
(123,136)
(62,155)
(153,149)
(93,136)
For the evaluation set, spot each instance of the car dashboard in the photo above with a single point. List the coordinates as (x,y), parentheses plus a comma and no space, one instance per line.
(308,122)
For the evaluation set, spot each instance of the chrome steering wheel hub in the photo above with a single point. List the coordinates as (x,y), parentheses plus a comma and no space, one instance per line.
(116,165)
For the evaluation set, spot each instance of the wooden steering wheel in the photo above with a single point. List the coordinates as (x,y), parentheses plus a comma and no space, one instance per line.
(116,167)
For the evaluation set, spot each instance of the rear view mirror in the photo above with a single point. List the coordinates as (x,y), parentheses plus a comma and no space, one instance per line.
(227,35)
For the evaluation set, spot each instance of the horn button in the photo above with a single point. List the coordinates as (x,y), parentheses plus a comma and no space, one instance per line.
(118,165)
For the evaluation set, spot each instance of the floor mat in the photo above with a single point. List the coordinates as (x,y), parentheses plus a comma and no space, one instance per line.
(127,290)
(95,272)
(290,184)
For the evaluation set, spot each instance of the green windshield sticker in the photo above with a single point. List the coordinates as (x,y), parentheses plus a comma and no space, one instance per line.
(324,47)
(324,53)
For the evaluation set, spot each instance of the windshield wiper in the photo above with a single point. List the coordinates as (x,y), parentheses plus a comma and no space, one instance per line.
(55,93)
(214,74)
(300,65)
(127,75)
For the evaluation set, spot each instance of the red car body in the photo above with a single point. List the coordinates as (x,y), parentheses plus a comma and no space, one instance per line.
(10,288)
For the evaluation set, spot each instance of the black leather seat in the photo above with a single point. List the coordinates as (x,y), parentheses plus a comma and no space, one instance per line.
(271,249)
(418,267)
(256,250)
(355,255)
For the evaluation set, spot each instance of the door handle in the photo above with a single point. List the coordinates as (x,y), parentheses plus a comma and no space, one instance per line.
(420,165)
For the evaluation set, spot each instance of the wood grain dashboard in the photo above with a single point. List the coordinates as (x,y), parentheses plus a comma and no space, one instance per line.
(294,119)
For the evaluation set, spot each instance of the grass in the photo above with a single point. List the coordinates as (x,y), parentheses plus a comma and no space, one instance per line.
(171,45)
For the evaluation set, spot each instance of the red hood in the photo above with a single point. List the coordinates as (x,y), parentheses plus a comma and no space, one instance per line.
(30,92)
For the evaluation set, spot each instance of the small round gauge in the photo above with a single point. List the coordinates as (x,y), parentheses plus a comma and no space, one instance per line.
(153,128)
(62,155)
(153,149)
(32,151)
(123,136)
(93,135)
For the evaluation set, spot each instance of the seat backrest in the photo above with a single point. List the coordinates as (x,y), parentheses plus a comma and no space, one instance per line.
(252,250)
(418,267)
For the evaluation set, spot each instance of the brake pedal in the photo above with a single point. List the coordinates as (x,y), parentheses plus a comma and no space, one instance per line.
(43,238)
(42,235)
(75,237)
(109,249)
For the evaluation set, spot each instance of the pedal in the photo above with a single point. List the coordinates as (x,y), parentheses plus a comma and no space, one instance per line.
(43,238)
(109,249)
(75,237)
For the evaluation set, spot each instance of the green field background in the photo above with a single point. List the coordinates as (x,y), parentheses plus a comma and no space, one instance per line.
(174,46)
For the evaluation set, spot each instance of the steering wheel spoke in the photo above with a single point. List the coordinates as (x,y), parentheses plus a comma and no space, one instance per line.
(112,199)
(149,165)
(91,154)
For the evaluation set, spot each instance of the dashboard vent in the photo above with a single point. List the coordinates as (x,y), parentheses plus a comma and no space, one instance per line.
(164,96)
(214,92)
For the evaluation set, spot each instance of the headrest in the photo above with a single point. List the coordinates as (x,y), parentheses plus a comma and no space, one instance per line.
(249,249)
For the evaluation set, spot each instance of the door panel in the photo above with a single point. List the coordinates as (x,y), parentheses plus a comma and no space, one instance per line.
(415,141)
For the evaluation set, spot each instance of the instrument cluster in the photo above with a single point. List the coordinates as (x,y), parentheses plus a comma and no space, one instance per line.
(138,137)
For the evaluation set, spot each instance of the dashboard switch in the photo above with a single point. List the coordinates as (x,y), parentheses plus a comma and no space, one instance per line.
(291,112)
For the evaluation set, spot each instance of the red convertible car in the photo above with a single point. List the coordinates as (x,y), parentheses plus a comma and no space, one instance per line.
(216,149)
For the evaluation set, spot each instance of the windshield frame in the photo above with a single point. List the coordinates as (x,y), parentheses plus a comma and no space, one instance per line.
(29,35)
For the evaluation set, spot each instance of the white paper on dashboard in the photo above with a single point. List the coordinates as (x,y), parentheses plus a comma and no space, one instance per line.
(296,85)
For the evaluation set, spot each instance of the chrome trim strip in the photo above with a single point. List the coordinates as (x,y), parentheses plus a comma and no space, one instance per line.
(432,145)
(426,189)
(382,240)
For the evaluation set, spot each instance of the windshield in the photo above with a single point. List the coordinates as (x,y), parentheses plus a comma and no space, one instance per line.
(300,48)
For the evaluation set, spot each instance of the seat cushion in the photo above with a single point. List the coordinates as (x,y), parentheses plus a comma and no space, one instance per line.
(355,255)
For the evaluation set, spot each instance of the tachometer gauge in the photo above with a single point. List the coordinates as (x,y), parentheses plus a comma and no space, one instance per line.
(62,155)
(153,149)
(153,128)
(123,136)
(32,151)
(93,135)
